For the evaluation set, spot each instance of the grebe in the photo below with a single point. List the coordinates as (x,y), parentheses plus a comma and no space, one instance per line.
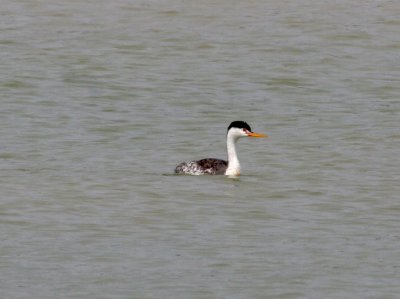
(236,130)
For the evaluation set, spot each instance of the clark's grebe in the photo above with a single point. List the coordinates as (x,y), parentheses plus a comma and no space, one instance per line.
(236,130)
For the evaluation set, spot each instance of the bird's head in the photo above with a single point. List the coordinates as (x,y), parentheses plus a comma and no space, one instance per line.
(238,129)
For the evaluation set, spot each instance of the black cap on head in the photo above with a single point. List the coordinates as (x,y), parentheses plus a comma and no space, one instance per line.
(240,125)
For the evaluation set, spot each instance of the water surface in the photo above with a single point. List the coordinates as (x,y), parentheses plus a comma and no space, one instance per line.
(100,100)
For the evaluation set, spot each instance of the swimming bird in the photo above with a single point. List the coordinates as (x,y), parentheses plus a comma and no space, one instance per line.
(236,130)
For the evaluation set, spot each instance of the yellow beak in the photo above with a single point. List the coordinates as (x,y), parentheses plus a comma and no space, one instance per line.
(256,135)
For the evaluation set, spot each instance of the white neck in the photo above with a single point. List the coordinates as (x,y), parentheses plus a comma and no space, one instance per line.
(233,161)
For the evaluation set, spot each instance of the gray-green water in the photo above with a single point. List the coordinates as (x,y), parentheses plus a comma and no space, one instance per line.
(101,99)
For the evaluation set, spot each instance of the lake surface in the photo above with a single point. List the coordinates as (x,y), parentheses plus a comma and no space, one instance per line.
(100,100)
